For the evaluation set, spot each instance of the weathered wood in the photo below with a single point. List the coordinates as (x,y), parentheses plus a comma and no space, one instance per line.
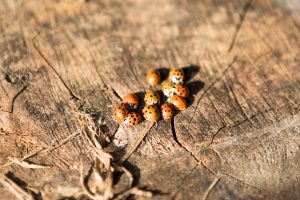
(239,137)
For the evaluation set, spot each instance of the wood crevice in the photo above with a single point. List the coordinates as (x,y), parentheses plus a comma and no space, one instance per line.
(211,86)
(239,25)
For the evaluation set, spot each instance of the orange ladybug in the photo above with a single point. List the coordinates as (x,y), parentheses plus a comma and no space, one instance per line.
(153,77)
(182,90)
(133,118)
(167,111)
(168,89)
(132,100)
(152,98)
(120,112)
(176,75)
(178,102)
(151,113)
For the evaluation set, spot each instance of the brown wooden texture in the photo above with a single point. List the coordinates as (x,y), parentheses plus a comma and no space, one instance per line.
(238,139)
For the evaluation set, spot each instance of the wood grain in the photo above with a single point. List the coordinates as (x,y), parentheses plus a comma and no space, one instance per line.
(238,139)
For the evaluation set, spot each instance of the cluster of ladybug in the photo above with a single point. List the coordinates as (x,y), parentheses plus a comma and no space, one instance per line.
(173,89)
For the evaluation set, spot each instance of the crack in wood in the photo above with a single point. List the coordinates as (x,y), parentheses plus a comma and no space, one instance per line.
(239,180)
(239,106)
(41,54)
(114,133)
(220,175)
(212,185)
(184,178)
(16,96)
(210,86)
(115,93)
(174,132)
(98,73)
(243,121)
(105,85)
(215,134)
(223,119)
(127,60)
(239,25)
(139,138)
(179,143)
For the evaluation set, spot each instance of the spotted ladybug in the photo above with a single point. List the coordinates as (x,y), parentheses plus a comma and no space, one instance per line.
(132,100)
(176,75)
(133,118)
(178,102)
(152,98)
(168,89)
(167,111)
(153,77)
(151,113)
(182,90)
(120,112)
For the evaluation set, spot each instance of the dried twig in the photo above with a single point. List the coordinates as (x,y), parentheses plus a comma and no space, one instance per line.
(134,191)
(128,174)
(101,187)
(25,157)
(212,185)
(15,189)
(26,164)
(62,142)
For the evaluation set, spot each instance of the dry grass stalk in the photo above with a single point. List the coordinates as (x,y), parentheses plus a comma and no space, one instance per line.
(212,185)
(134,191)
(25,157)
(101,187)
(22,161)
(26,164)
(15,189)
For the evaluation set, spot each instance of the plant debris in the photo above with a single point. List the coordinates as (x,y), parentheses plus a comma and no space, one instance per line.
(14,188)
(98,183)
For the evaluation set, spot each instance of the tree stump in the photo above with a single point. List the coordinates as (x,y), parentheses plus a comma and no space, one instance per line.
(239,137)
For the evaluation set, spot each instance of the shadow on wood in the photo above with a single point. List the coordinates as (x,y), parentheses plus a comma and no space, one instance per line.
(190,71)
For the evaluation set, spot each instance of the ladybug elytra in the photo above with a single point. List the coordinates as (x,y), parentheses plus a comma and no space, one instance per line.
(152,98)
(151,113)
(120,112)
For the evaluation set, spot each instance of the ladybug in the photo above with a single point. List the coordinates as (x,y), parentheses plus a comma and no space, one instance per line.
(152,98)
(168,89)
(167,111)
(176,75)
(151,113)
(120,112)
(182,90)
(153,77)
(178,102)
(132,100)
(133,118)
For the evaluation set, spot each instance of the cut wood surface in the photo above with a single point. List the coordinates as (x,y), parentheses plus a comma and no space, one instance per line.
(239,138)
